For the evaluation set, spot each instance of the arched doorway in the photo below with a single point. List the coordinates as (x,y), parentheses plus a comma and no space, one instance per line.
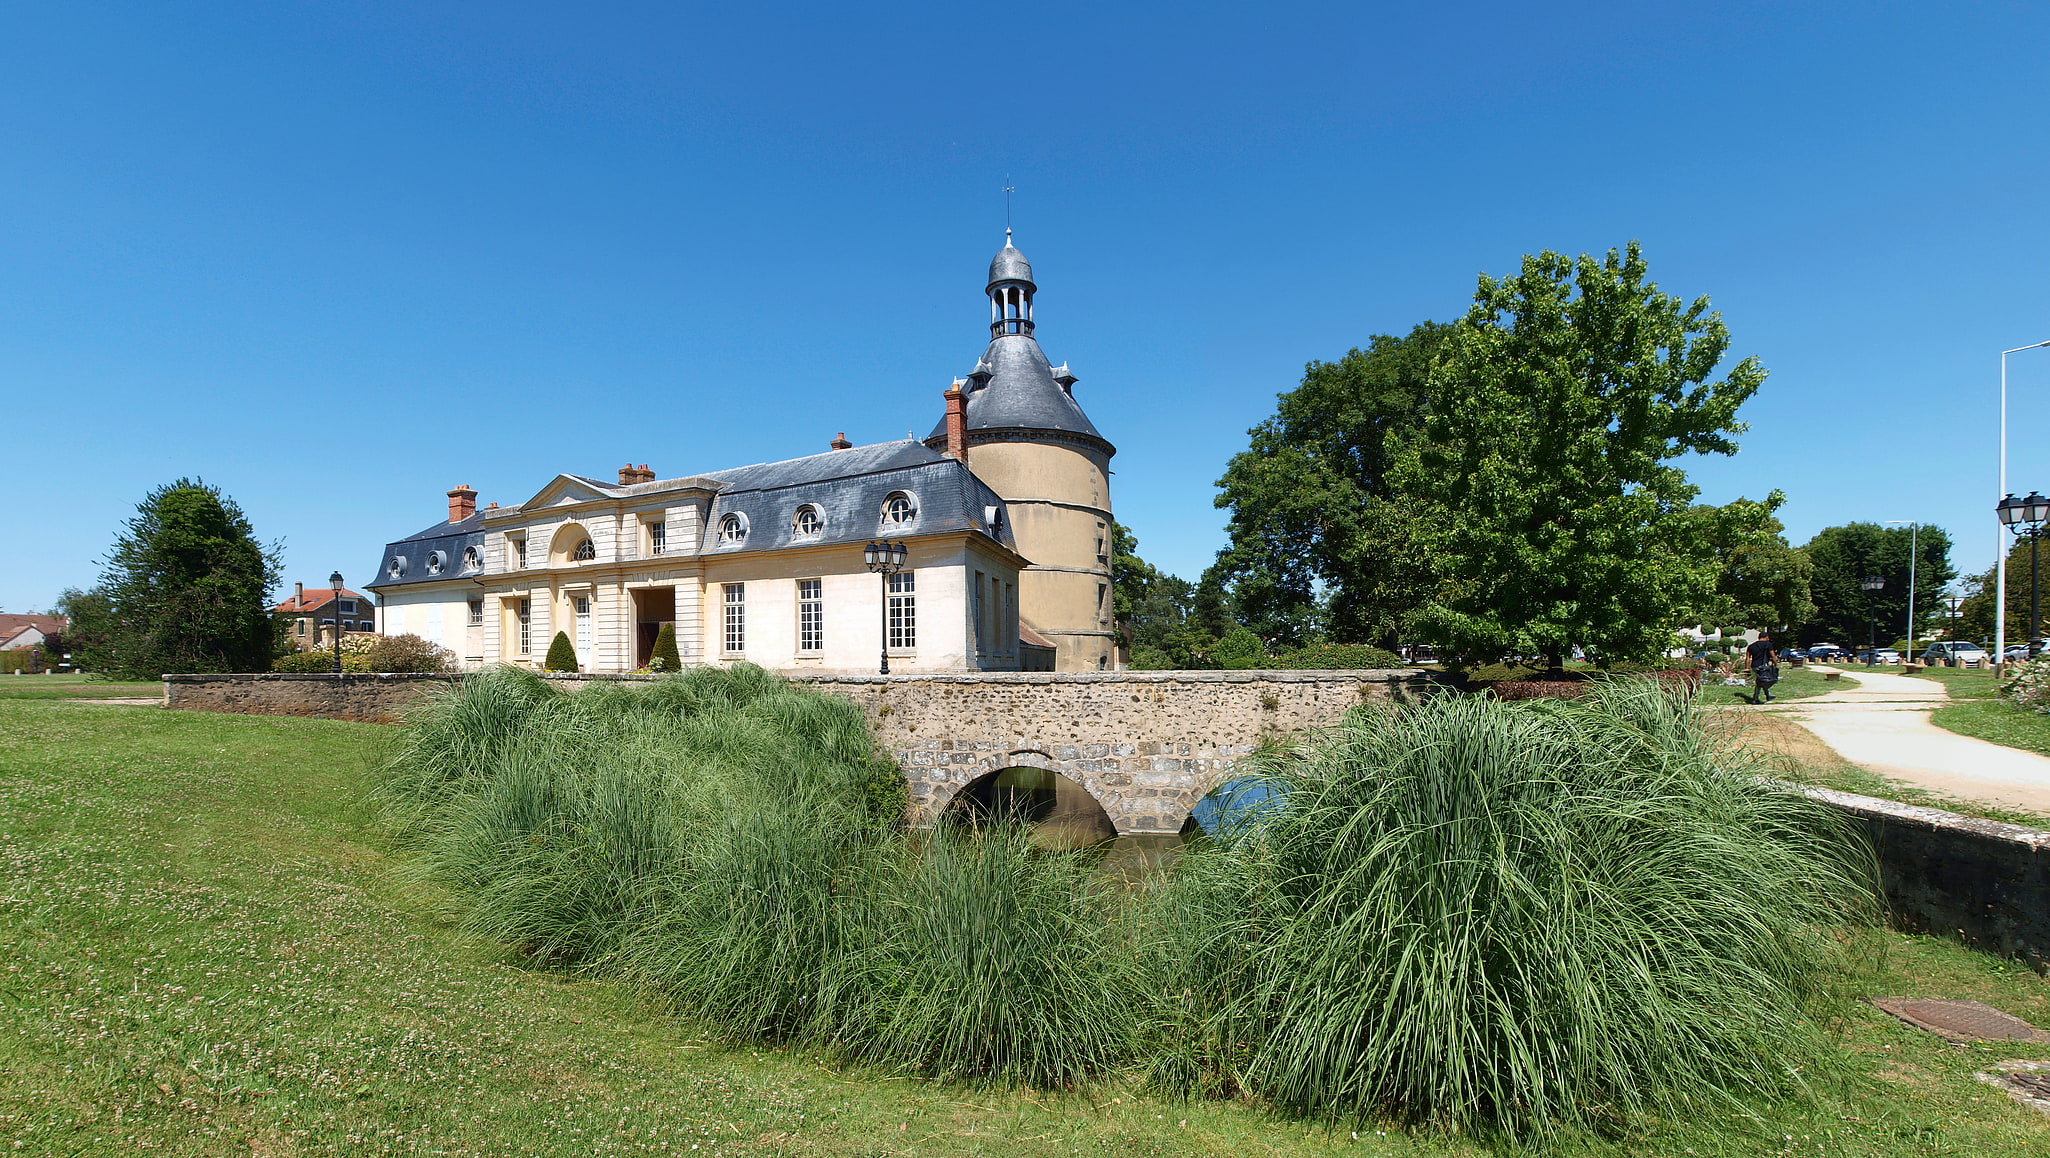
(1061,812)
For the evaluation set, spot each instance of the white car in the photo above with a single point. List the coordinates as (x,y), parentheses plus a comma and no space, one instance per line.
(1963,652)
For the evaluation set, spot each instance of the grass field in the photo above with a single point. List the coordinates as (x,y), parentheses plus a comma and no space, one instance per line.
(1796,683)
(76,687)
(208,952)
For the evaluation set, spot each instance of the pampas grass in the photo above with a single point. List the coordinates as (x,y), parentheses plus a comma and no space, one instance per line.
(1516,919)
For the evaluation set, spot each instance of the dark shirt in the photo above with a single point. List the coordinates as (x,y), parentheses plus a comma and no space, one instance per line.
(1760,652)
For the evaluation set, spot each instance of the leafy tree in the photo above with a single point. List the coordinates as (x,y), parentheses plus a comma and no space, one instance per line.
(562,656)
(88,631)
(1547,502)
(1975,611)
(1843,556)
(1240,650)
(1155,612)
(663,656)
(1762,582)
(185,589)
(1319,538)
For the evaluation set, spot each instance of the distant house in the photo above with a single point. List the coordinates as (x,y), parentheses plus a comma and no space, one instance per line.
(314,612)
(20,632)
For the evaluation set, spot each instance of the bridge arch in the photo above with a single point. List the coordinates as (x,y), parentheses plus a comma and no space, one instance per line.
(1032,786)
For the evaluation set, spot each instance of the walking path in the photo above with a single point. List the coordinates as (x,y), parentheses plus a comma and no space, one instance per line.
(1883,725)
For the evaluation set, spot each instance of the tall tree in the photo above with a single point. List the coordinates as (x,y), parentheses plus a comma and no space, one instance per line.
(1761,582)
(1551,507)
(1975,609)
(1844,556)
(185,589)
(1318,537)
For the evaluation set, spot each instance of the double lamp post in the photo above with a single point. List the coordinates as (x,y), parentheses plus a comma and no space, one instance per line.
(885,559)
(2006,508)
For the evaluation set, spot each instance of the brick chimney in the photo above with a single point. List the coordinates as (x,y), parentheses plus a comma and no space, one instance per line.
(957,422)
(628,476)
(462,503)
(298,596)
(646,474)
(840,442)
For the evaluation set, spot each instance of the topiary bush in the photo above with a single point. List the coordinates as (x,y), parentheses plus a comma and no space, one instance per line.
(664,658)
(1338,657)
(562,656)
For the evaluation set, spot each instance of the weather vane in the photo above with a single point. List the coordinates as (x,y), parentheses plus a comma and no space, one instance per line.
(1008,190)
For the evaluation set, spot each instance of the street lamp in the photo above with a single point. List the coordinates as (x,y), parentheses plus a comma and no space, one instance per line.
(1914,528)
(1871,583)
(335,603)
(2030,512)
(885,559)
(2000,543)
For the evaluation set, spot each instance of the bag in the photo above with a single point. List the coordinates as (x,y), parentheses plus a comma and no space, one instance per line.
(1767,674)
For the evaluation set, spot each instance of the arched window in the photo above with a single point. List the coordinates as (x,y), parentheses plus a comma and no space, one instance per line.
(584,552)
(899,510)
(808,524)
(732,530)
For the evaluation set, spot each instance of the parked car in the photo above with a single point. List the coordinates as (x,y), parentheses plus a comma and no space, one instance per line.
(1957,650)
(1826,651)
(2015,653)
(1789,655)
(1873,655)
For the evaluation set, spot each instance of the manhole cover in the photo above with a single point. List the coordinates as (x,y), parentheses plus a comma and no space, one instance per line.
(1961,1021)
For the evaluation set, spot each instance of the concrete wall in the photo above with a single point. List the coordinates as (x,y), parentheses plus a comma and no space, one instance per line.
(1984,882)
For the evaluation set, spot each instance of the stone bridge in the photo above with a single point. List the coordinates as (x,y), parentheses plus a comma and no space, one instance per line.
(1145,746)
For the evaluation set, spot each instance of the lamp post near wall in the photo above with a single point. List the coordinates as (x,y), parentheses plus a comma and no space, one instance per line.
(2000,566)
(2030,512)
(335,601)
(1871,583)
(885,559)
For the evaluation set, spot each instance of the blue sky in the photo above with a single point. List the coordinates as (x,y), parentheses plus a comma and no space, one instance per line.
(339,257)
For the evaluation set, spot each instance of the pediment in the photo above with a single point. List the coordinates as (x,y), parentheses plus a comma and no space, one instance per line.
(564,490)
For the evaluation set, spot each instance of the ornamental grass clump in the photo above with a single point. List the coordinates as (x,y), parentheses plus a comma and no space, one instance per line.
(1512,920)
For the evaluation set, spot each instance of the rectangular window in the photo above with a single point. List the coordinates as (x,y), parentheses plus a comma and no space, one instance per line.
(476,613)
(525,610)
(348,606)
(519,556)
(1103,602)
(975,613)
(736,618)
(903,611)
(299,626)
(811,615)
(658,537)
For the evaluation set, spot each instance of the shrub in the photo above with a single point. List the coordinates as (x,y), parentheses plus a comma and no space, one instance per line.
(663,658)
(1240,650)
(561,655)
(2029,686)
(1338,657)
(409,653)
(354,659)
(1513,919)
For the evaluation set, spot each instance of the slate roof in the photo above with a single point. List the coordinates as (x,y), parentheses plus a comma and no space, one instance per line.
(849,488)
(1014,387)
(448,538)
(1010,265)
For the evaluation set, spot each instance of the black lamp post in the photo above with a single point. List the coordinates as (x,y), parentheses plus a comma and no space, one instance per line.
(885,559)
(2030,512)
(335,602)
(1871,583)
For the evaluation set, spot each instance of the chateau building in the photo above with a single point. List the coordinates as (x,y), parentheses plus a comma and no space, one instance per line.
(1004,513)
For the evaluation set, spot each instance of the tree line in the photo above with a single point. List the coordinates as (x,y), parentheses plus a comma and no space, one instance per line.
(1508,485)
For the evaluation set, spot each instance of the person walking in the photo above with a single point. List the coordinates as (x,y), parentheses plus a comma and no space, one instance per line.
(1765,670)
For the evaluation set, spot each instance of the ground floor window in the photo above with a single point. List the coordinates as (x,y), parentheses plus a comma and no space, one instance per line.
(524,610)
(476,613)
(903,611)
(582,604)
(736,617)
(811,615)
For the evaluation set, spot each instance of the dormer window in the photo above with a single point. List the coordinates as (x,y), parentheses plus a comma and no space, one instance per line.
(732,530)
(472,559)
(808,523)
(395,566)
(584,551)
(435,562)
(899,510)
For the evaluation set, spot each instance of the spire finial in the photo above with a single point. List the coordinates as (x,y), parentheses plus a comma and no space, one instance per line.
(1008,190)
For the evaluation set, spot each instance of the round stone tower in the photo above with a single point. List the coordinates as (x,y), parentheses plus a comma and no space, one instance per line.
(1028,439)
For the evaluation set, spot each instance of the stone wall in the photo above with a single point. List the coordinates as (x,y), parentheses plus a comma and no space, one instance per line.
(369,699)
(1146,745)
(1984,882)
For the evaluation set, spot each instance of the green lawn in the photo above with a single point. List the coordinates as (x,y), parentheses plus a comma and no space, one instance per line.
(208,951)
(60,687)
(1796,683)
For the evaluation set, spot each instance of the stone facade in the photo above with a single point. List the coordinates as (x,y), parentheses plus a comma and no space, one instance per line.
(366,699)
